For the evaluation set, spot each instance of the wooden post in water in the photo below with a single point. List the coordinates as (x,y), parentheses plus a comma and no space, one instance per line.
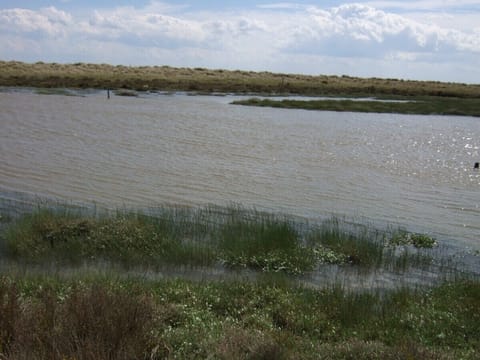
(476,166)
(108,93)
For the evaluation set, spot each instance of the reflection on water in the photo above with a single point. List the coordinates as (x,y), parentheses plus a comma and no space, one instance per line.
(411,170)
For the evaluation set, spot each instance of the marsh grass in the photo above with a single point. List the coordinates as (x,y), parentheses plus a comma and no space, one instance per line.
(127,238)
(232,237)
(55,91)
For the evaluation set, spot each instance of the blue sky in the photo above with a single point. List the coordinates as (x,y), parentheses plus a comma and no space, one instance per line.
(420,39)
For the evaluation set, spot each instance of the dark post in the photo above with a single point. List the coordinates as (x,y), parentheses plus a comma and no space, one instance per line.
(476,166)
(108,93)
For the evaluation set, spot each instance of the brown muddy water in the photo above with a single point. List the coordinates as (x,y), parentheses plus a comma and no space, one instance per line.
(412,171)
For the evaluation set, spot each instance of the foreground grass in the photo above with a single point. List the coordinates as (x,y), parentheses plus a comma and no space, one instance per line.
(107,317)
(233,238)
(72,313)
(165,78)
(424,106)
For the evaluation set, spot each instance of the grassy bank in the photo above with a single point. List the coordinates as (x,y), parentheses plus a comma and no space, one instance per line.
(422,106)
(165,78)
(100,317)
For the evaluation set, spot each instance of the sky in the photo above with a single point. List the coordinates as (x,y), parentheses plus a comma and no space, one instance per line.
(419,39)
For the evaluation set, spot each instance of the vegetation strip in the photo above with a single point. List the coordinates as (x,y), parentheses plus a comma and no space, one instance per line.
(234,238)
(423,106)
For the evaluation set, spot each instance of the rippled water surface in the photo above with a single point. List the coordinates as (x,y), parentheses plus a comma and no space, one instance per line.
(416,171)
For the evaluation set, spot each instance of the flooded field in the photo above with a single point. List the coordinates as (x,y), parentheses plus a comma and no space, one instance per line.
(412,171)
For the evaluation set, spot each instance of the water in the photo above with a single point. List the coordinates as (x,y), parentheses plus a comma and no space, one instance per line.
(413,171)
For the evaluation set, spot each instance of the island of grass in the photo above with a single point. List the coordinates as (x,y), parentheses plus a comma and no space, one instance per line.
(67,289)
(402,105)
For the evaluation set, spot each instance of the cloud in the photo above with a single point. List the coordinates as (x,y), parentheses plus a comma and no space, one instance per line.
(425,5)
(143,28)
(359,30)
(48,21)
(281,36)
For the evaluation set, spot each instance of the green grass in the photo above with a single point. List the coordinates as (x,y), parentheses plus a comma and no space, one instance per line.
(422,106)
(403,237)
(109,317)
(54,91)
(200,80)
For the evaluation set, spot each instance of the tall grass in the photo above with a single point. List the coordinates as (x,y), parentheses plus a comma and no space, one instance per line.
(264,242)
(362,247)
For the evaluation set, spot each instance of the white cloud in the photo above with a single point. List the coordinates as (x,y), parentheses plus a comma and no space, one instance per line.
(281,36)
(425,5)
(49,21)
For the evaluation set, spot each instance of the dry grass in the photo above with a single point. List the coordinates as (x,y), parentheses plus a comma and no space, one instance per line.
(89,323)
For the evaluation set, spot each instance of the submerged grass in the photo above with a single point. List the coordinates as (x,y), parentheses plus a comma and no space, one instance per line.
(421,106)
(93,318)
(234,238)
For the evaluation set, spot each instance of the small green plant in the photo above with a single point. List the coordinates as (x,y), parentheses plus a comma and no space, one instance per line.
(401,238)
(328,256)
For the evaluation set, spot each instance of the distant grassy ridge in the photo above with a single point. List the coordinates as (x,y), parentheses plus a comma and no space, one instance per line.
(166,78)
(421,106)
